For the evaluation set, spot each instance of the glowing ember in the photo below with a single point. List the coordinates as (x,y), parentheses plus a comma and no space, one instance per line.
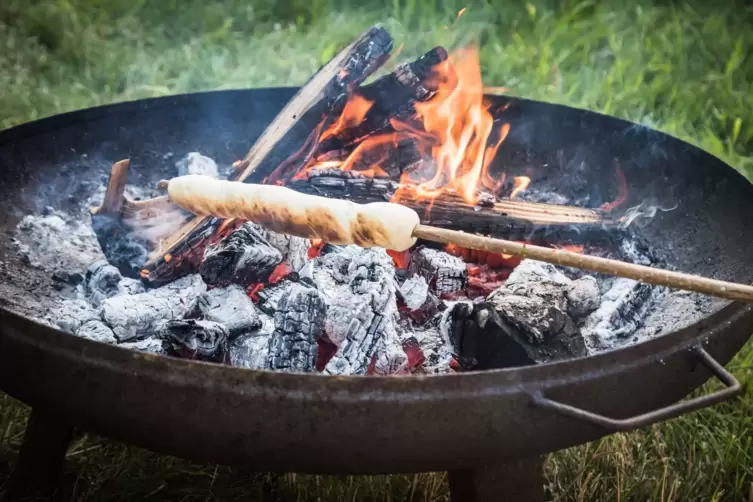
(572,248)
(462,11)
(521,183)
(622,193)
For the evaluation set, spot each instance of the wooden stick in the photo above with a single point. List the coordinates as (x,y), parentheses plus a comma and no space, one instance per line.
(395,226)
(642,273)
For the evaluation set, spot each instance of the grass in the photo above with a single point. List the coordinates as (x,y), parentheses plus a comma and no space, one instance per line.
(683,68)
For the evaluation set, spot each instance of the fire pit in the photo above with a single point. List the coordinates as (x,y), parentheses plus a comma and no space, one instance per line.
(503,359)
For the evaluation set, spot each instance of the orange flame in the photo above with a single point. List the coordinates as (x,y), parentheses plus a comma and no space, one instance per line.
(353,114)
(572,248)
(462,11)
(459,123)
(521,183)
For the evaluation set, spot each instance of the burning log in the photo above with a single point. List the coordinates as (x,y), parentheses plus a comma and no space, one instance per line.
(230,306)
(359,287)
(288,133)
(196,339)
(512,219)
(139,316)
(245,257)
(443,272)
(299,323)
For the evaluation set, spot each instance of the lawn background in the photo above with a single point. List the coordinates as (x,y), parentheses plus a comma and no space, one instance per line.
(682,67)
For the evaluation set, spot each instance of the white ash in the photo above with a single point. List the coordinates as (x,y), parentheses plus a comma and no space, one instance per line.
(96,330)
(230,306)
(414,291)
(56,242)
(436,348)
(152,345)
(359,288)
(251,350)
(299,323)
(73,313)
(137,316)
(536,299)
(444,272)
(583,296)
(196,163)
(391,359)
(622,311)
(128,286)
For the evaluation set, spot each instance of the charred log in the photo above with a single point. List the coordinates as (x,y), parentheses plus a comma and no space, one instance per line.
(443,272)
(103,281)
(196,339)
(299,322)
(392,97)
(358,286)
(245,257)
(139,316)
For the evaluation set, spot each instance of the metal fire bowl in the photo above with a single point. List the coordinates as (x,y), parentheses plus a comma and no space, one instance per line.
(322,424)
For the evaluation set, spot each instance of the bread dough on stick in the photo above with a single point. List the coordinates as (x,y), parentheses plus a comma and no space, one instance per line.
(337,221)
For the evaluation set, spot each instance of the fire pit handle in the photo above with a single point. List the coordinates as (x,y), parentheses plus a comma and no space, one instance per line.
(732,389)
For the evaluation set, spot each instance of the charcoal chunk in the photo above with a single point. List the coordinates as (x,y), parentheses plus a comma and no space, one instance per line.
(196,163)
(443,272)
(138,316)
(359,288)
(583,297)
(299,322)
(244,257)
(414,292)
(230,306)
(128,286)
(483,339)
(96,330)
(534,299)
(196,339)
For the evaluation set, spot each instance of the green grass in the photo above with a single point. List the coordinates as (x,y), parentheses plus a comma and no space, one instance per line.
(683,68)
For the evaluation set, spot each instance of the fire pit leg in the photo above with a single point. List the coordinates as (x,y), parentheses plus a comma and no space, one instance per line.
(522,481)
(41,457)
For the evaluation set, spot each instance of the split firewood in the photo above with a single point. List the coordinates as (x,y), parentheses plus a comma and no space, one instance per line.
(397,227)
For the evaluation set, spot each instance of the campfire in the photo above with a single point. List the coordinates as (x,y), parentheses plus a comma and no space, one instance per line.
(237,292)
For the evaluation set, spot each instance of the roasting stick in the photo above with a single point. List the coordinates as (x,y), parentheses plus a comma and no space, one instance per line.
(396,227)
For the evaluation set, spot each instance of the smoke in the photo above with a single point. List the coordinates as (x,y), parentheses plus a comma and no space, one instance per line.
(642,214)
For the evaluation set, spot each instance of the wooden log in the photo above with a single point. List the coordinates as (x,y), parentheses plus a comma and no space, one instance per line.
(511,219)
(287,133)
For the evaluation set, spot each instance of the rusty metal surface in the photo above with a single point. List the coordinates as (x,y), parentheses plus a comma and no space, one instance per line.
(315,423)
